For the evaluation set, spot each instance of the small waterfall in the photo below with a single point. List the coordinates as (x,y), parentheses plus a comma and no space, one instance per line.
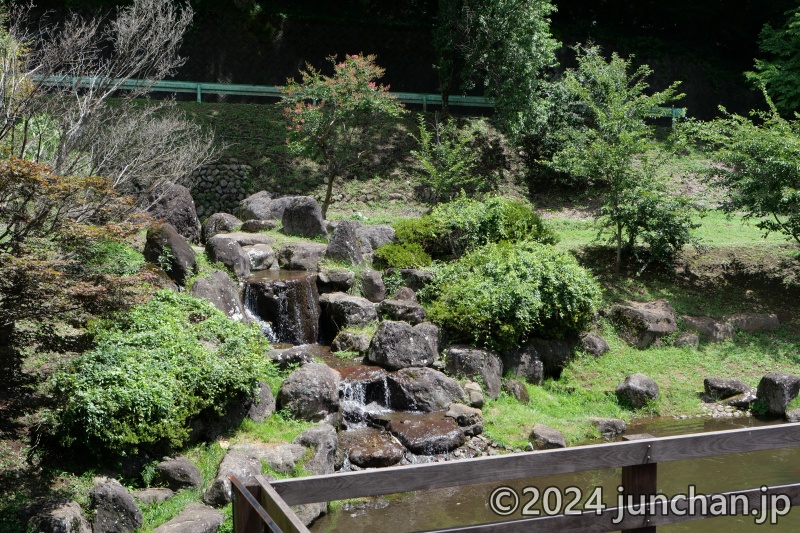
(288,301)
(362,395)
(250,312)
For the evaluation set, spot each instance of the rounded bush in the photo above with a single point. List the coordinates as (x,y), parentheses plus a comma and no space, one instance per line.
(501,294)
(402,255)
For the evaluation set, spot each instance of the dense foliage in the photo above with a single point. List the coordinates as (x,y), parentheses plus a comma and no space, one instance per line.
(611,146)
(152,371)
(500,294)
(333,119)
(465,223)
(780,73)
(402,255)
(760,170)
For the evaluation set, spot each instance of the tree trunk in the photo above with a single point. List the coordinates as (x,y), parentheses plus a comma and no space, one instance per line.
(328,194)
(619,248)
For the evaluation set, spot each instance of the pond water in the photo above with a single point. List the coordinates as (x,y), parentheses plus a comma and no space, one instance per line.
(451,507)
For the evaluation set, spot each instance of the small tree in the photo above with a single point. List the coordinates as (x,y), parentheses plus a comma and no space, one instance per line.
(333,119)
(760,170)
(611,145)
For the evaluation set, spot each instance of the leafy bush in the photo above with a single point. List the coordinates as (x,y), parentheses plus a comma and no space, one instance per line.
(500,294)
(153,370)
(402,255)
(464,224)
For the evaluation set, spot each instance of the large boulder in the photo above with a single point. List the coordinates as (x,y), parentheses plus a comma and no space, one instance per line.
(397,345)
(166,248)
(776,390)
(340,310)
(229,253)
(370,238)
(722,389)
(707,328)
(178,473)
(323,441)
(546,438)
(255,226)
(469,419)
(262,405)
(335,280)
(370,447)
(753,322)
(279,456)
(235,463)
(594,344)
(115,510)
(343,244)
(426,434)
(311,392)
(301,255)
(404,310)
(302,216)
(372,285)
(262,206)
(262,257)
(524,363)
(432,334)
(637,390)
(195,518)
(642,324)
(220,223)
(59,516)
(172,203)
(348,341)
(219,289)
(475,363)
(248,239)
(423,389)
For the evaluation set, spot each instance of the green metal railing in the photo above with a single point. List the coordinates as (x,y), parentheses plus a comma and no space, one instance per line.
(201,88)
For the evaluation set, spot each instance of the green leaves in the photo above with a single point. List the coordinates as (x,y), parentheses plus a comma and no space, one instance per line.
(780,74)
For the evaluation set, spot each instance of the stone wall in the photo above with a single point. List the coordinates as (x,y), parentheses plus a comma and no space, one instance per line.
(220,187)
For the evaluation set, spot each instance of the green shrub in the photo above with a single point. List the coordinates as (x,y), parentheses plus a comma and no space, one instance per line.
(464,224)
(151,371)
(500,294)
(402,255)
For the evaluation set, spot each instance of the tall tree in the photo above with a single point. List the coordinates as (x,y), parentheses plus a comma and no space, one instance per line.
(503,45)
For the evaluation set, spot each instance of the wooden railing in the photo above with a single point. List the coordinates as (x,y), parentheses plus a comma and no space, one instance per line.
(638,459)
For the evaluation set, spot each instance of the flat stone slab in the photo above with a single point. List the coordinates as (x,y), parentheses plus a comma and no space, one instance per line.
(426,434)
(195,518)
(371,448)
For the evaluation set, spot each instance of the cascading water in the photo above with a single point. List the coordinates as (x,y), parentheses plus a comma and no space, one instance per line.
(250,306)
(363,393)
(288,301)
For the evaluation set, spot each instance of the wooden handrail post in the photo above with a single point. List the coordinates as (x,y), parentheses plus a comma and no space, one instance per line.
(639,483)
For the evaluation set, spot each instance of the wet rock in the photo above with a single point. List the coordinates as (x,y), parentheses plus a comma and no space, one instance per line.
(115,511)
(642,324)
(301,255)
(516,389)
(302,216)
(405,294)
(473,363)
(708,329)
(423,389)
(404,310)
(341,310)
(195,518)
(172,203)
(59,516)
(609,427)
(178,473)
(371,448)
(256,226)
(335,280)
(372,285)
(229,253)
(546,438)
(397,345)
(525,364)
(260,408)
(777,390)
(468,418)
(474,394)
(686,339)
(347,341)
(311,392)
(743,401)
(721,389)
(151,496)
(426,434)
(324,441)
(219,289)
(220,223)
(637,390)
(166,248)
(262,256)
(754,322)
(594,344)
(289,303)
(297,355)
(281,456)
(235,463)
(343,244)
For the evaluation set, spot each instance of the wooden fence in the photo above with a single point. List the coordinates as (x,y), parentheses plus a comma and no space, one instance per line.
(265,503)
